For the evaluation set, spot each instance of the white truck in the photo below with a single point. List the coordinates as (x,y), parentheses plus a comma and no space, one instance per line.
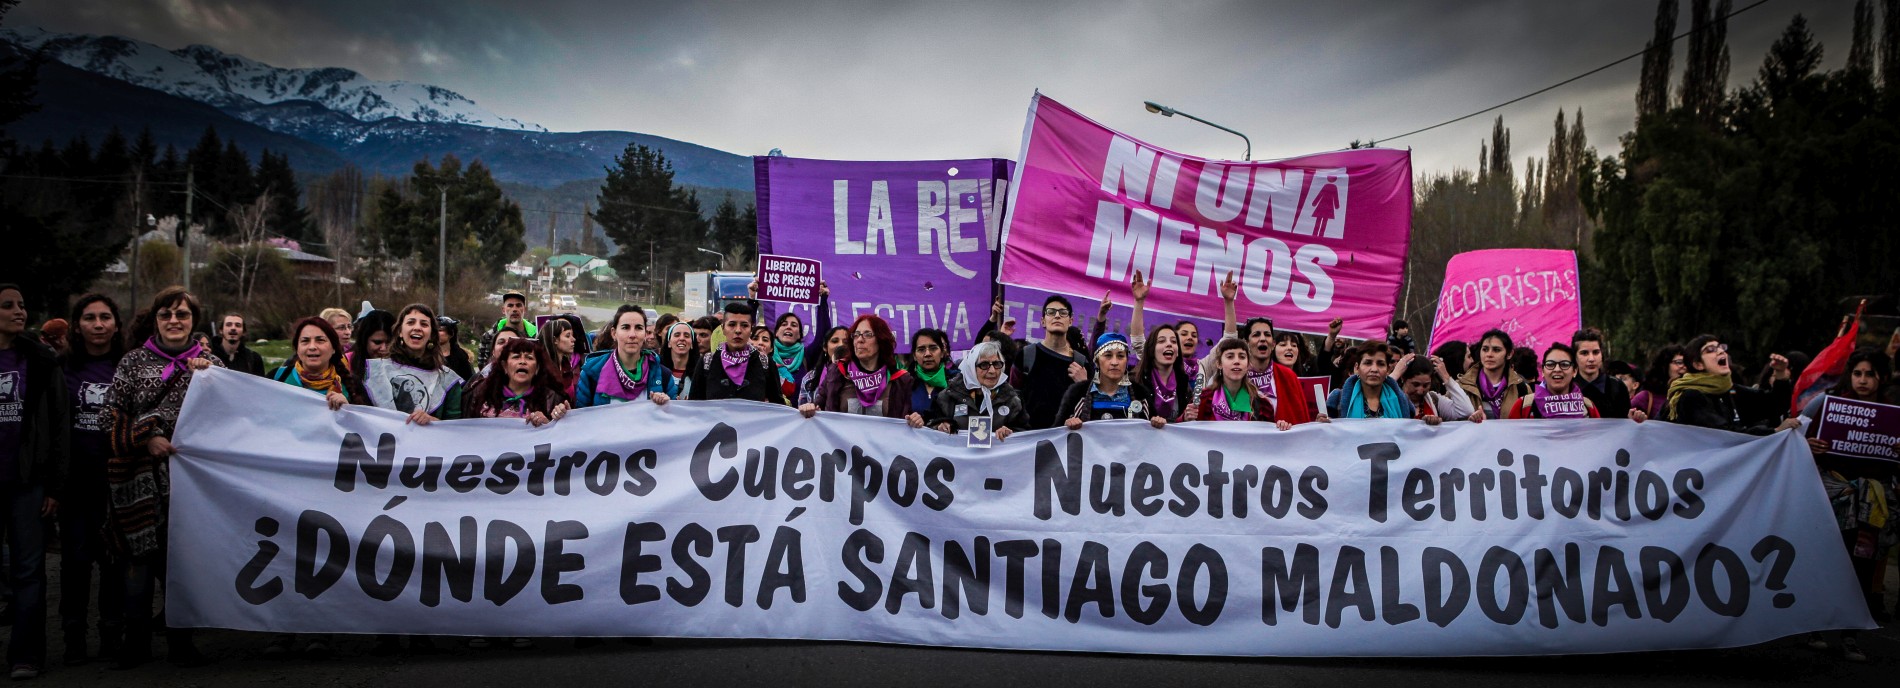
(707,293)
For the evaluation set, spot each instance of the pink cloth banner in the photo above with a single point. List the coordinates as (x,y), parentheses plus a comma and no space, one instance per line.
(1309,239)
(1530,294)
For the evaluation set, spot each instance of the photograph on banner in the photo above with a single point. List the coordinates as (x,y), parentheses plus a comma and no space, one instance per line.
(1530,294)
(908,241)
(1858,428)
(1310,238)
(1369,537)
(1024,305)
(785,279)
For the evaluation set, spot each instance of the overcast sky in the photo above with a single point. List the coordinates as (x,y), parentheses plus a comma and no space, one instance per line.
(892,80)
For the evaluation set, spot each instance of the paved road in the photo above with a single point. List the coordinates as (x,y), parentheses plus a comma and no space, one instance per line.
(555,663)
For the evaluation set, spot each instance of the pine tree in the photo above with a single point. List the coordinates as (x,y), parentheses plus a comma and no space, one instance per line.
(1652,92)
(1705,76)
(641,210)
(289,217)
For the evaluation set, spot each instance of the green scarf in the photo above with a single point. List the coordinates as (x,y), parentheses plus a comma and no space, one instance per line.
(938,380)
(1238,403)
(638,373)
(789,357)
(1706,383)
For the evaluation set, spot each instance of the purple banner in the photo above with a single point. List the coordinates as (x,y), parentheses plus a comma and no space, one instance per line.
(908,241)
(1859,428)
(788,280)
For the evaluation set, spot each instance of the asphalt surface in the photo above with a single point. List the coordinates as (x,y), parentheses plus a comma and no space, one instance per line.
(556,663)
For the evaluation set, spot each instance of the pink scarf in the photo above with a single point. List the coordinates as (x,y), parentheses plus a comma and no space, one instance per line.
(1263,380)
(735,364)
(870,385)
(1222,411)
(174,363)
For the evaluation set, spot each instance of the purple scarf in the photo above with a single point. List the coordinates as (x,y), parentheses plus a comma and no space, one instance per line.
(870,385)
(173,363)
(1567,405)
(735,364)
(620,384)
(1165,392)
(1492,395)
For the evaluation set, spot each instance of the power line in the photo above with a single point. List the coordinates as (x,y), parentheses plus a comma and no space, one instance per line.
(1554,86)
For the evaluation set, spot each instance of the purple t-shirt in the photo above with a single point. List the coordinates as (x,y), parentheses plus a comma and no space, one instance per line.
(12,411)
(91,420)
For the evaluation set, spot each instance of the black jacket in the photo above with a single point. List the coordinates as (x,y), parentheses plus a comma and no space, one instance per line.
(244,361)
(1613,401)
(710,382)
(45,419)
(1742,409)
(1007,407)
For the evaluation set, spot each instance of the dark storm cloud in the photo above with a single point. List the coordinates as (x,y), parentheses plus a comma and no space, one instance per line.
(923,80)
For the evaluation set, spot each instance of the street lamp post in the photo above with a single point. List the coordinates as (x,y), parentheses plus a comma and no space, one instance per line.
(1166,111)
(722,256)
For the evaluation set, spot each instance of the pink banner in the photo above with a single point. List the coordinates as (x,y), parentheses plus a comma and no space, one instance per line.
(1531,294)
(1310,239)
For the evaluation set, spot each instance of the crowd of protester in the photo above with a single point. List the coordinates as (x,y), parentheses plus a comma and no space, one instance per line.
(87,422)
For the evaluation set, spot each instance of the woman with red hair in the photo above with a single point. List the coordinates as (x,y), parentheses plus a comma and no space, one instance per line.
(869,382)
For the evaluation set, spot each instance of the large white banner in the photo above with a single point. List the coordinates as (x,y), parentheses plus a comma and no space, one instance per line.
(735,519)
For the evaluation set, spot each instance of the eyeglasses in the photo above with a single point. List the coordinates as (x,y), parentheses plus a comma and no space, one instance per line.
(864,335)
(176,314)
(1558,365)
(1714,348)
(927,349)
(988,365)
(1677,362)
(1056,312)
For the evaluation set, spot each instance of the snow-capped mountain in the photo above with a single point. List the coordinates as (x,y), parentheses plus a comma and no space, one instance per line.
(233,82)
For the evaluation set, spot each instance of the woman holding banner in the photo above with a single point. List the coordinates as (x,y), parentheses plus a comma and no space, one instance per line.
(869,383)
(1430,386)
(1277,382)
(316,364)
(1232,396)
(374,333)
(415,379)
(1558,395)
(929,359)
(148,389)
(1857,487)
(1707,396)
(1161,365)
(1493,387)
(626,371)
(1653,396)
(980,390)
(1112,394)
(1369,392)
(523,385)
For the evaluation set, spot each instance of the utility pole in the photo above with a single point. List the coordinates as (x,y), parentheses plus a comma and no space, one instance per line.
(138,234)
(191,192)
(442,259)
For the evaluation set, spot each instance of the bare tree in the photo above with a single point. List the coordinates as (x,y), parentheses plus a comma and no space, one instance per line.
(250,224)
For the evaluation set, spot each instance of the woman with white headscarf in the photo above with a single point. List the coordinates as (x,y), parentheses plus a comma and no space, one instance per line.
(981,392)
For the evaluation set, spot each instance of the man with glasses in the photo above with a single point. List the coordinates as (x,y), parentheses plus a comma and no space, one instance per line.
(1050,366)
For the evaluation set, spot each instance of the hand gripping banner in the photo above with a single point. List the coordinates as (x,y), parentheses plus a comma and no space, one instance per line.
(736,519)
